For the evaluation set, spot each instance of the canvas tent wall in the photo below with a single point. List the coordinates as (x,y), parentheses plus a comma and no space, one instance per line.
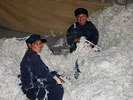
(42,16)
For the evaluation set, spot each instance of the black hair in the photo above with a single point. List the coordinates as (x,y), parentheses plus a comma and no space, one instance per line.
(80,11)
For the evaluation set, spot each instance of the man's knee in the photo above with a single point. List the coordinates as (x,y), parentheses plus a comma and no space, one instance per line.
(61,88)
(56,92)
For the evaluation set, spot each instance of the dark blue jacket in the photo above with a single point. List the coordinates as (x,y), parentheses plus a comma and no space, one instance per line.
(87,30)
(34,72)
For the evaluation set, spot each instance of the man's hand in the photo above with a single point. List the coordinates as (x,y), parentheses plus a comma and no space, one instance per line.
(77,40)
(61,80)
(91,44)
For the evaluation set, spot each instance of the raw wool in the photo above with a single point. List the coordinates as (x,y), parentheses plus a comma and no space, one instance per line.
(114,25)
(105,75)
(11,55)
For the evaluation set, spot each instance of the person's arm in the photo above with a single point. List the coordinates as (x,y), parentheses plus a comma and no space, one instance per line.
(95,35)
(42,71)
(26,77)
(70,35)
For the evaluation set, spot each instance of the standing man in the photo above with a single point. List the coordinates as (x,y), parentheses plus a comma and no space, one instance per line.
(81,28)
(37,81)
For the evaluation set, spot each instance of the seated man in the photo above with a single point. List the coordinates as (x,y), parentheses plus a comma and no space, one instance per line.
(81,28)
(37,81)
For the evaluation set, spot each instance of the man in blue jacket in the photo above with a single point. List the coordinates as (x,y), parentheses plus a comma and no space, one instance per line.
(81,28)
(37,81)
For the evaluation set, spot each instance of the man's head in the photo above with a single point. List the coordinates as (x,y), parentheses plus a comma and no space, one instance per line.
(35,43)
(81,15)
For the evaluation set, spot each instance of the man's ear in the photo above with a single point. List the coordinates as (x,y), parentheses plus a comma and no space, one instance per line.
(29,45)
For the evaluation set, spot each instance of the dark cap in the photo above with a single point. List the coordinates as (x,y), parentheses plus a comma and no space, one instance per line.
(81,11)
(34,38)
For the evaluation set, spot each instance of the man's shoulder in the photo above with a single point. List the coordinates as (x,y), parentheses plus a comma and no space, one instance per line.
(72,25)
(30,54)
(70,28)
(89,22)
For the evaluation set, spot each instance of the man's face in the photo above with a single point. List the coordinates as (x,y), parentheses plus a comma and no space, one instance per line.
(36,46)
(81,19)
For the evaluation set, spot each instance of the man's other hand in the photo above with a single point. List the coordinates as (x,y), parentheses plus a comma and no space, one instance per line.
(77,40)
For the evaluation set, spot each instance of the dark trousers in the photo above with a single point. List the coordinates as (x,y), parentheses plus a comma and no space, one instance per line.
(55,93)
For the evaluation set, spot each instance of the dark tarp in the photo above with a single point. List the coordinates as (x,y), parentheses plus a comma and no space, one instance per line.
(42,16)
